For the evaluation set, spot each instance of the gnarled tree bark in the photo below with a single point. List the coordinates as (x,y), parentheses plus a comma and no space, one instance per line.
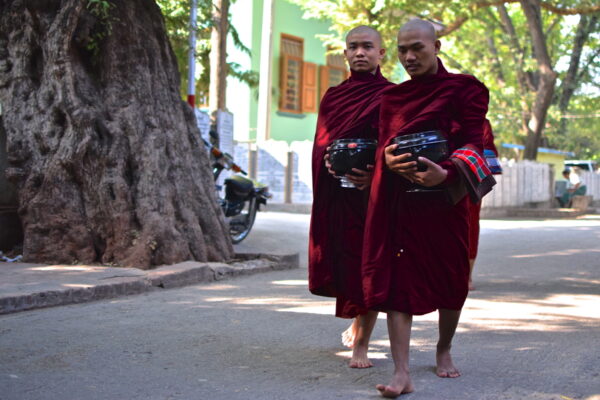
(104,153)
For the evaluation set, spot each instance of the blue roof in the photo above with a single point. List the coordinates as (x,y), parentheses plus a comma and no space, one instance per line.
(540,149)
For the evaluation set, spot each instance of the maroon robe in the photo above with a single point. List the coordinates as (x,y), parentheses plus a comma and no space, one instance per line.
(415,255)
(349,110)
(475,208)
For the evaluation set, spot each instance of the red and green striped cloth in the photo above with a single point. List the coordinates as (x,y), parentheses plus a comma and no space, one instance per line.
(475,162)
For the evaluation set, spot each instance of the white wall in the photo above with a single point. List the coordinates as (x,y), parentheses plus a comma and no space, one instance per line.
(238,93)
(592,181)
(521,183)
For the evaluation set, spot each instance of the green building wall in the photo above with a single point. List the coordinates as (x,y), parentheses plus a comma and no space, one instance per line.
(288,19)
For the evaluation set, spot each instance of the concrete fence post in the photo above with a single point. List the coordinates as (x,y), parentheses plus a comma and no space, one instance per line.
(252,163)
(289,178)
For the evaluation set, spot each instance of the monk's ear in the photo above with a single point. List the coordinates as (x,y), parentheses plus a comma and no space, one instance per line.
(381,54)
(438,46)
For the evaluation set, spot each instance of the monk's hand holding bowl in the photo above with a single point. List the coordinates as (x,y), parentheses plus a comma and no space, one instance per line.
(361,178)
(400,164)
(433,176)
(328,163)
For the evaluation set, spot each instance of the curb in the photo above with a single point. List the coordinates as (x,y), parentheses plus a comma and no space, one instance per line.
(496,212)
(543,213)
(167,277)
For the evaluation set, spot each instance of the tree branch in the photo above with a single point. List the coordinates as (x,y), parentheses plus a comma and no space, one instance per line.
(545,5)
(570,81)
(455,25)
(589,62)
(570,11)
(455,64)
(525,81)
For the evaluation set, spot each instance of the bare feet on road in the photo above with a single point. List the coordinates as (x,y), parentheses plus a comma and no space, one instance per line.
(445,367)
(349,335)
(359,357)
(400,384)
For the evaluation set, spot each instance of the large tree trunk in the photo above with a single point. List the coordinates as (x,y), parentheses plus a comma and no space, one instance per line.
(518,56)
(547,78)
(103,151)
(218,56)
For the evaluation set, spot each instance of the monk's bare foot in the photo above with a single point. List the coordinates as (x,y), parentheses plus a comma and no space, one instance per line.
(400,384)
(359,357)
(349,335)
(445,366)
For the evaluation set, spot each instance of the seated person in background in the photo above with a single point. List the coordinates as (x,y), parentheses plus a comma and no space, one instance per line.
(575,187)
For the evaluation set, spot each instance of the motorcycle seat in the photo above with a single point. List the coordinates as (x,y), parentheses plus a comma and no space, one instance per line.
(238,187)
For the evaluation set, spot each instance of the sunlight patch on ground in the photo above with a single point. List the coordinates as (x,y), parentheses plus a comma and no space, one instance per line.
(373,355)
(420,342)
(291,282)
(578,305)
(284,304)
(556,223)
(582,280)
(220,299)
(216,287)
(67,268)
(317,310)
(383,342)
(313,307)
(270,301)
(77,285)
(567,252)
(551,314)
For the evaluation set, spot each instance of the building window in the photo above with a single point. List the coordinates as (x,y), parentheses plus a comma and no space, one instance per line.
(292,53)
(309,87)
(334,73)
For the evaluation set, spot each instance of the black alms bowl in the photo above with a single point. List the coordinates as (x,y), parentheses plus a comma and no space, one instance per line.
(430,144)
(346,154)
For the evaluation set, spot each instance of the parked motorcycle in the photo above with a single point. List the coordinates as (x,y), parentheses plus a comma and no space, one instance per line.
(243,196)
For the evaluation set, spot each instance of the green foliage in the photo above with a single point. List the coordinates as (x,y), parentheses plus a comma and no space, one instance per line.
(177,20)
(475,41)
(583,122)
(101,10)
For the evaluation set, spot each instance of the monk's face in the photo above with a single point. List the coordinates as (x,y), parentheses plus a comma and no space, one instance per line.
(417,52)
(363,51)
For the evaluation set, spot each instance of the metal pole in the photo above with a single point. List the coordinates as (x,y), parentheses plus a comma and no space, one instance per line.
(191,97)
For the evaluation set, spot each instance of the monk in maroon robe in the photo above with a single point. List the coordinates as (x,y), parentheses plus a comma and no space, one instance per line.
(349,110)
(415,255)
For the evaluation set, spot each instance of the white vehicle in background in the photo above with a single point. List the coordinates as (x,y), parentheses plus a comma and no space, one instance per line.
(583,165)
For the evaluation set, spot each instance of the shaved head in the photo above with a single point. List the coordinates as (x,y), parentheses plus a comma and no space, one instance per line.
(417,24)
(361,29)
(418,47)
(363,49)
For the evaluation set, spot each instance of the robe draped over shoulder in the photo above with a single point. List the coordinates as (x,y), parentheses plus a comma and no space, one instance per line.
(415,254)
(349,110)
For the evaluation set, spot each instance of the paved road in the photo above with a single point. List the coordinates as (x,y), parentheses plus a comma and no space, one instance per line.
(529,331)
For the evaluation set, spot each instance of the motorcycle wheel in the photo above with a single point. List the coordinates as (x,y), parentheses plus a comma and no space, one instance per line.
(240,225)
